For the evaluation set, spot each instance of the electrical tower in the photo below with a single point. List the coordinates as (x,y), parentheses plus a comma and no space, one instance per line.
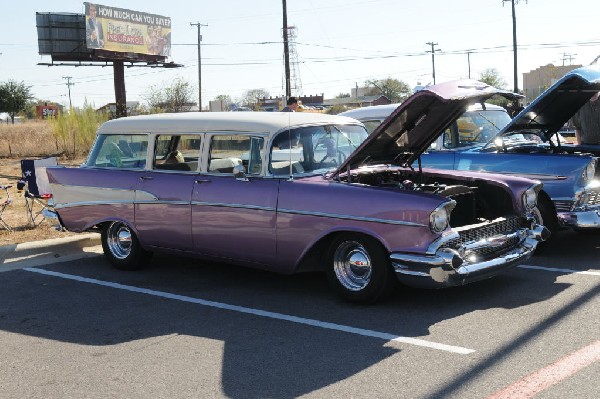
(295,81)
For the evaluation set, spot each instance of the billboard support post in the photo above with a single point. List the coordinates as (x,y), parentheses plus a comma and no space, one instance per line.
(120,96)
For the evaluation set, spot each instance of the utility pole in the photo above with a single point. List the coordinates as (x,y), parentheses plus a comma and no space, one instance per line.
(514,18)
(469,62)
(199,25)
(569,57)
(433,50)
(69,84)
(286,53)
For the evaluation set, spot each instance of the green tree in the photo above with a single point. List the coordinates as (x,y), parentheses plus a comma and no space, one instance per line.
(492,77)
(343,95)
(394,89)
(14,98)
(251,98)
(178,96)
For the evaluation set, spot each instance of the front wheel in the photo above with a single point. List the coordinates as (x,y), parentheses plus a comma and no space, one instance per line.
(359,269)
(545,214)
(122,248)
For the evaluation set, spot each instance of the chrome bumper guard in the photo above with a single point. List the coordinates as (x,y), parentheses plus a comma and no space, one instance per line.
(449,267)
(586,219)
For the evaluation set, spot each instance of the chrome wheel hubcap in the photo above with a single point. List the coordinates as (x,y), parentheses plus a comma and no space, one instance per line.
(352,265)
(118,238)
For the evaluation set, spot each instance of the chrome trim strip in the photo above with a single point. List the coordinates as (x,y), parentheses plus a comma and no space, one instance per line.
(351,217)
(228,205)
(88,203)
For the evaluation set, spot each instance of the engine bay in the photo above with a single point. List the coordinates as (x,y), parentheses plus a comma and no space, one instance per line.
(477,201)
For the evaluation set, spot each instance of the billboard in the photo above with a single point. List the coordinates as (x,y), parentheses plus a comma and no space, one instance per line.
(126,31)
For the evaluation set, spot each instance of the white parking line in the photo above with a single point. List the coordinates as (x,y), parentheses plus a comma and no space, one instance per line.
(262,313)
(559,270)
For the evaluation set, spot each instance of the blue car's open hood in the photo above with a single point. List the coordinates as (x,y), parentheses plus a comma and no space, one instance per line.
(409,130)
(555,106)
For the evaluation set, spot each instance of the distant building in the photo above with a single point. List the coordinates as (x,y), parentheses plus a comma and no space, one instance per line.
(539,79)
(111,108)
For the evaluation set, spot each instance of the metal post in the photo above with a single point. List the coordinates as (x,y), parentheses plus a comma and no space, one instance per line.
(199,25)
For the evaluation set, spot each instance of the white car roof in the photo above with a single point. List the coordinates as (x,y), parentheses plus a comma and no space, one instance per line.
(382,111)
(193,122)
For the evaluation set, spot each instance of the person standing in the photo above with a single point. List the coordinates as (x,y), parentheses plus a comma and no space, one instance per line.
(292,105)
(587,122)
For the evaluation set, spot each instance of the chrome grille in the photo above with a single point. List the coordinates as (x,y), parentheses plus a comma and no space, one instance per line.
(594,197)
(563,205)
(501,227)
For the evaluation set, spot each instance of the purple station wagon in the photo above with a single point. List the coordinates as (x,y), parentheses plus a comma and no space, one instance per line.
(294,192)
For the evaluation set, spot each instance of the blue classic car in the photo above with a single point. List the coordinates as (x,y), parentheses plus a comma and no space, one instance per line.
(292,192)
(485,139)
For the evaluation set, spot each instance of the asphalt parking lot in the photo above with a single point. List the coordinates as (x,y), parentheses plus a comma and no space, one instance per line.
(185,328)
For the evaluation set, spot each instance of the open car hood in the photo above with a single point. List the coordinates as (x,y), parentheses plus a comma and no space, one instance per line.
(409,130)
(555,106)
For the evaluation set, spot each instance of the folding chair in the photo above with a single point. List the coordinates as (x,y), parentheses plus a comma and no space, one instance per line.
(5,201)
(34,181)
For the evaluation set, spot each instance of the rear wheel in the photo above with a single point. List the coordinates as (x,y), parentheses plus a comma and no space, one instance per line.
(359,269)
(122,248)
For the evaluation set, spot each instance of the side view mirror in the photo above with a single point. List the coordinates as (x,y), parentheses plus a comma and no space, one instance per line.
(239,172)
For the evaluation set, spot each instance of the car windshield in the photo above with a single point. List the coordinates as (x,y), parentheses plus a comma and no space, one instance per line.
(477,127)
(314,149)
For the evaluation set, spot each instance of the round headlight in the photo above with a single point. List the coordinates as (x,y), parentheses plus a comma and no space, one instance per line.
(530,198)
(440,217)
(589,172)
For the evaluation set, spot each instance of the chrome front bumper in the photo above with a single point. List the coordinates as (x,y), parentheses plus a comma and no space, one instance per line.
(447,267)
(589,219)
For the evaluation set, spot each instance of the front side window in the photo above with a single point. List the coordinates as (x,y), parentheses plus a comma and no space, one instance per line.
(314,149)
(177,152)
(121,151)
(227,151)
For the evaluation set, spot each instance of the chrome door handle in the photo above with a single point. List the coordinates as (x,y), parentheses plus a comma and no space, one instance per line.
(200,181)
(142,178)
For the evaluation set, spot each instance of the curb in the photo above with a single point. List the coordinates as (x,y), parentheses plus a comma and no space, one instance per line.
(37,253)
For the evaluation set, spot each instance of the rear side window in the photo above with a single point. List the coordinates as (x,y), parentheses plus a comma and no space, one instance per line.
(120,151)
(177,152)
(227,151)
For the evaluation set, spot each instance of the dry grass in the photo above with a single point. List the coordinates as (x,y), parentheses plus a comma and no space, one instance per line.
(29,139)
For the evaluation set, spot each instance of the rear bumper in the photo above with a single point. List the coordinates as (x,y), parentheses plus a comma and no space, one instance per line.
(447,268)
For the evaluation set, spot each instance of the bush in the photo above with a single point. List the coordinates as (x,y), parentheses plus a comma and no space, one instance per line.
(75,132)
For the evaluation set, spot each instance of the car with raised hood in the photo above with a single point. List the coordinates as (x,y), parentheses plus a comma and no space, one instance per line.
(296,192)
(530,145)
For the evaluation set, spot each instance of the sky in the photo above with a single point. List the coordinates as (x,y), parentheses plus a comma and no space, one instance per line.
(339,44)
